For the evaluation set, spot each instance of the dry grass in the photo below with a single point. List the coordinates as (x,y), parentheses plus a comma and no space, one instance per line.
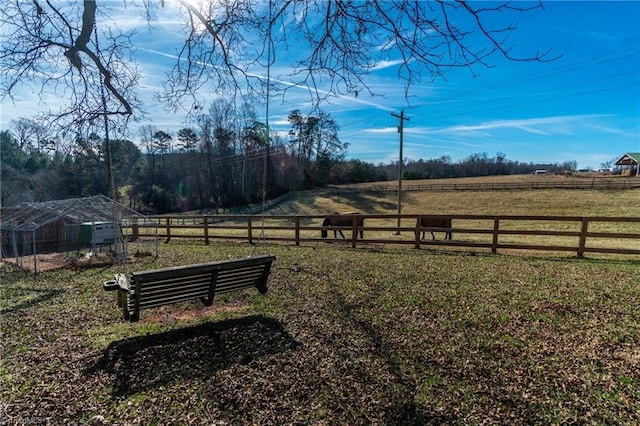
(528,178)
(366,336)
(542,202)
(583,202)
(387,336)
(536,202)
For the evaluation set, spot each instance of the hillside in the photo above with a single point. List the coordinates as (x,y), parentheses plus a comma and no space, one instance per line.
(582,202)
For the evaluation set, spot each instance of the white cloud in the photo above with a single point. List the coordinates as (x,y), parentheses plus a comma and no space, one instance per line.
(386,64)
(381,130)
(538,126)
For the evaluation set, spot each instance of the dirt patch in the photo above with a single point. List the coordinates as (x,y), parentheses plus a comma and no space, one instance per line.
(54,261)
(41,263)
(191,311)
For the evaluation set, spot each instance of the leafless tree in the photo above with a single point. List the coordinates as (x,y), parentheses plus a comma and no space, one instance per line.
(29,134)
(343,42)
(76,49)
(422,38)
(69,50)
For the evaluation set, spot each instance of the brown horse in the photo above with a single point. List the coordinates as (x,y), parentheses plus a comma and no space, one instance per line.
(343,222)
(436,222)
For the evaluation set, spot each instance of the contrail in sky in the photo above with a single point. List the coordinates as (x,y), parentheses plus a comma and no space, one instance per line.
(289,84)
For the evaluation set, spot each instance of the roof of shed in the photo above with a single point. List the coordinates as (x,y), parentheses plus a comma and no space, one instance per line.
(31,216)
(629,159)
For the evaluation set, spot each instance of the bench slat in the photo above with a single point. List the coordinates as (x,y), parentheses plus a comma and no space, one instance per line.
(251,281)
(254,275)
(153,288)
(174,286)
(152,303)
(201,268)
(246,278)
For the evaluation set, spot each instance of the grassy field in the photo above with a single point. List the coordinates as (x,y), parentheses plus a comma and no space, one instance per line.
(582,202)
(534,202)
(344,336)
(579,178)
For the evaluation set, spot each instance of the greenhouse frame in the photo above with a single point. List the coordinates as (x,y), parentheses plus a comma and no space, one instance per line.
(69,228)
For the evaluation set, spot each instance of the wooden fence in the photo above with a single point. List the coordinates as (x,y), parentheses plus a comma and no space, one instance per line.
(600,183)
(616,235)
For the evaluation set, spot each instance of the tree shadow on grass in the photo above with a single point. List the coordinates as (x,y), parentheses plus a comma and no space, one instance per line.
(403,388)
(155,360)
(25,298)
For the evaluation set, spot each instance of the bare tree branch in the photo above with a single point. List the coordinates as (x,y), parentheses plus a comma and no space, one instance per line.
(329,46)
(40,34)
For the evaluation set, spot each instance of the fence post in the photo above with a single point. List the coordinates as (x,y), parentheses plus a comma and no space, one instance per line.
(205,219)
(297,221)
(583,237)
(168,229)
(354,230)
(496,233)
(135,230)
(35,253)
(250,229)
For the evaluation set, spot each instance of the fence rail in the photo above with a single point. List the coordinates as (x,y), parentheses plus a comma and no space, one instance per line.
(615,235)
(615,184)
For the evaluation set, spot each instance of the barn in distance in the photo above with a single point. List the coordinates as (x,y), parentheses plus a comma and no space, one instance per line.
(629,164)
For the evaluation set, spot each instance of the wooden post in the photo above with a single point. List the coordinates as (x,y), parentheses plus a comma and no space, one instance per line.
(205,219)
(168,230)
(250,229)
(297,220)
(354,230)
(35,253)
(496,233)
(135,230)
(583,237)
(402,118)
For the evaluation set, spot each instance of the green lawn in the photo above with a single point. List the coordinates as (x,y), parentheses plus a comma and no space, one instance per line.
(344,336)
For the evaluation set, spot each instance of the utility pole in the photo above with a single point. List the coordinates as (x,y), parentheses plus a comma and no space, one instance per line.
(401,117)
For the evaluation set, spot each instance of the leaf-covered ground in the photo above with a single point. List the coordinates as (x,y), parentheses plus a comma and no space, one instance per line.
(364,336)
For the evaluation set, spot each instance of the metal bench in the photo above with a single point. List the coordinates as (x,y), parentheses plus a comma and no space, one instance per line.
(149,289)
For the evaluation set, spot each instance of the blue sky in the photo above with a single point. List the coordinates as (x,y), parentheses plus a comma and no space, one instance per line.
(583,107)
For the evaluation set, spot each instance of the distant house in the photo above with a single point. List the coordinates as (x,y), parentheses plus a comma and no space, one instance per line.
(630,163)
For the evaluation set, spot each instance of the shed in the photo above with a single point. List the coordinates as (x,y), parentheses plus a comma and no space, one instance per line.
(630,162)
(64,230)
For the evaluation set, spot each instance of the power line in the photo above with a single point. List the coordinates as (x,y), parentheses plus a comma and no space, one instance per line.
(580,65)
(485,102)
(586,63)
(572,95)
(218,161)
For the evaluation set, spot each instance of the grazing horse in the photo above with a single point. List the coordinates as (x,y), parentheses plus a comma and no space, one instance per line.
(343,222)
(436,222)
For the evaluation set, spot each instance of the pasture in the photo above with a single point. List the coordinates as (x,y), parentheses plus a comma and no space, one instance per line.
(580,202)
(535,220)
(343,336)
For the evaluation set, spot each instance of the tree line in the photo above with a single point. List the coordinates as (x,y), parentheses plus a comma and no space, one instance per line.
(228,159)
(477,164)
